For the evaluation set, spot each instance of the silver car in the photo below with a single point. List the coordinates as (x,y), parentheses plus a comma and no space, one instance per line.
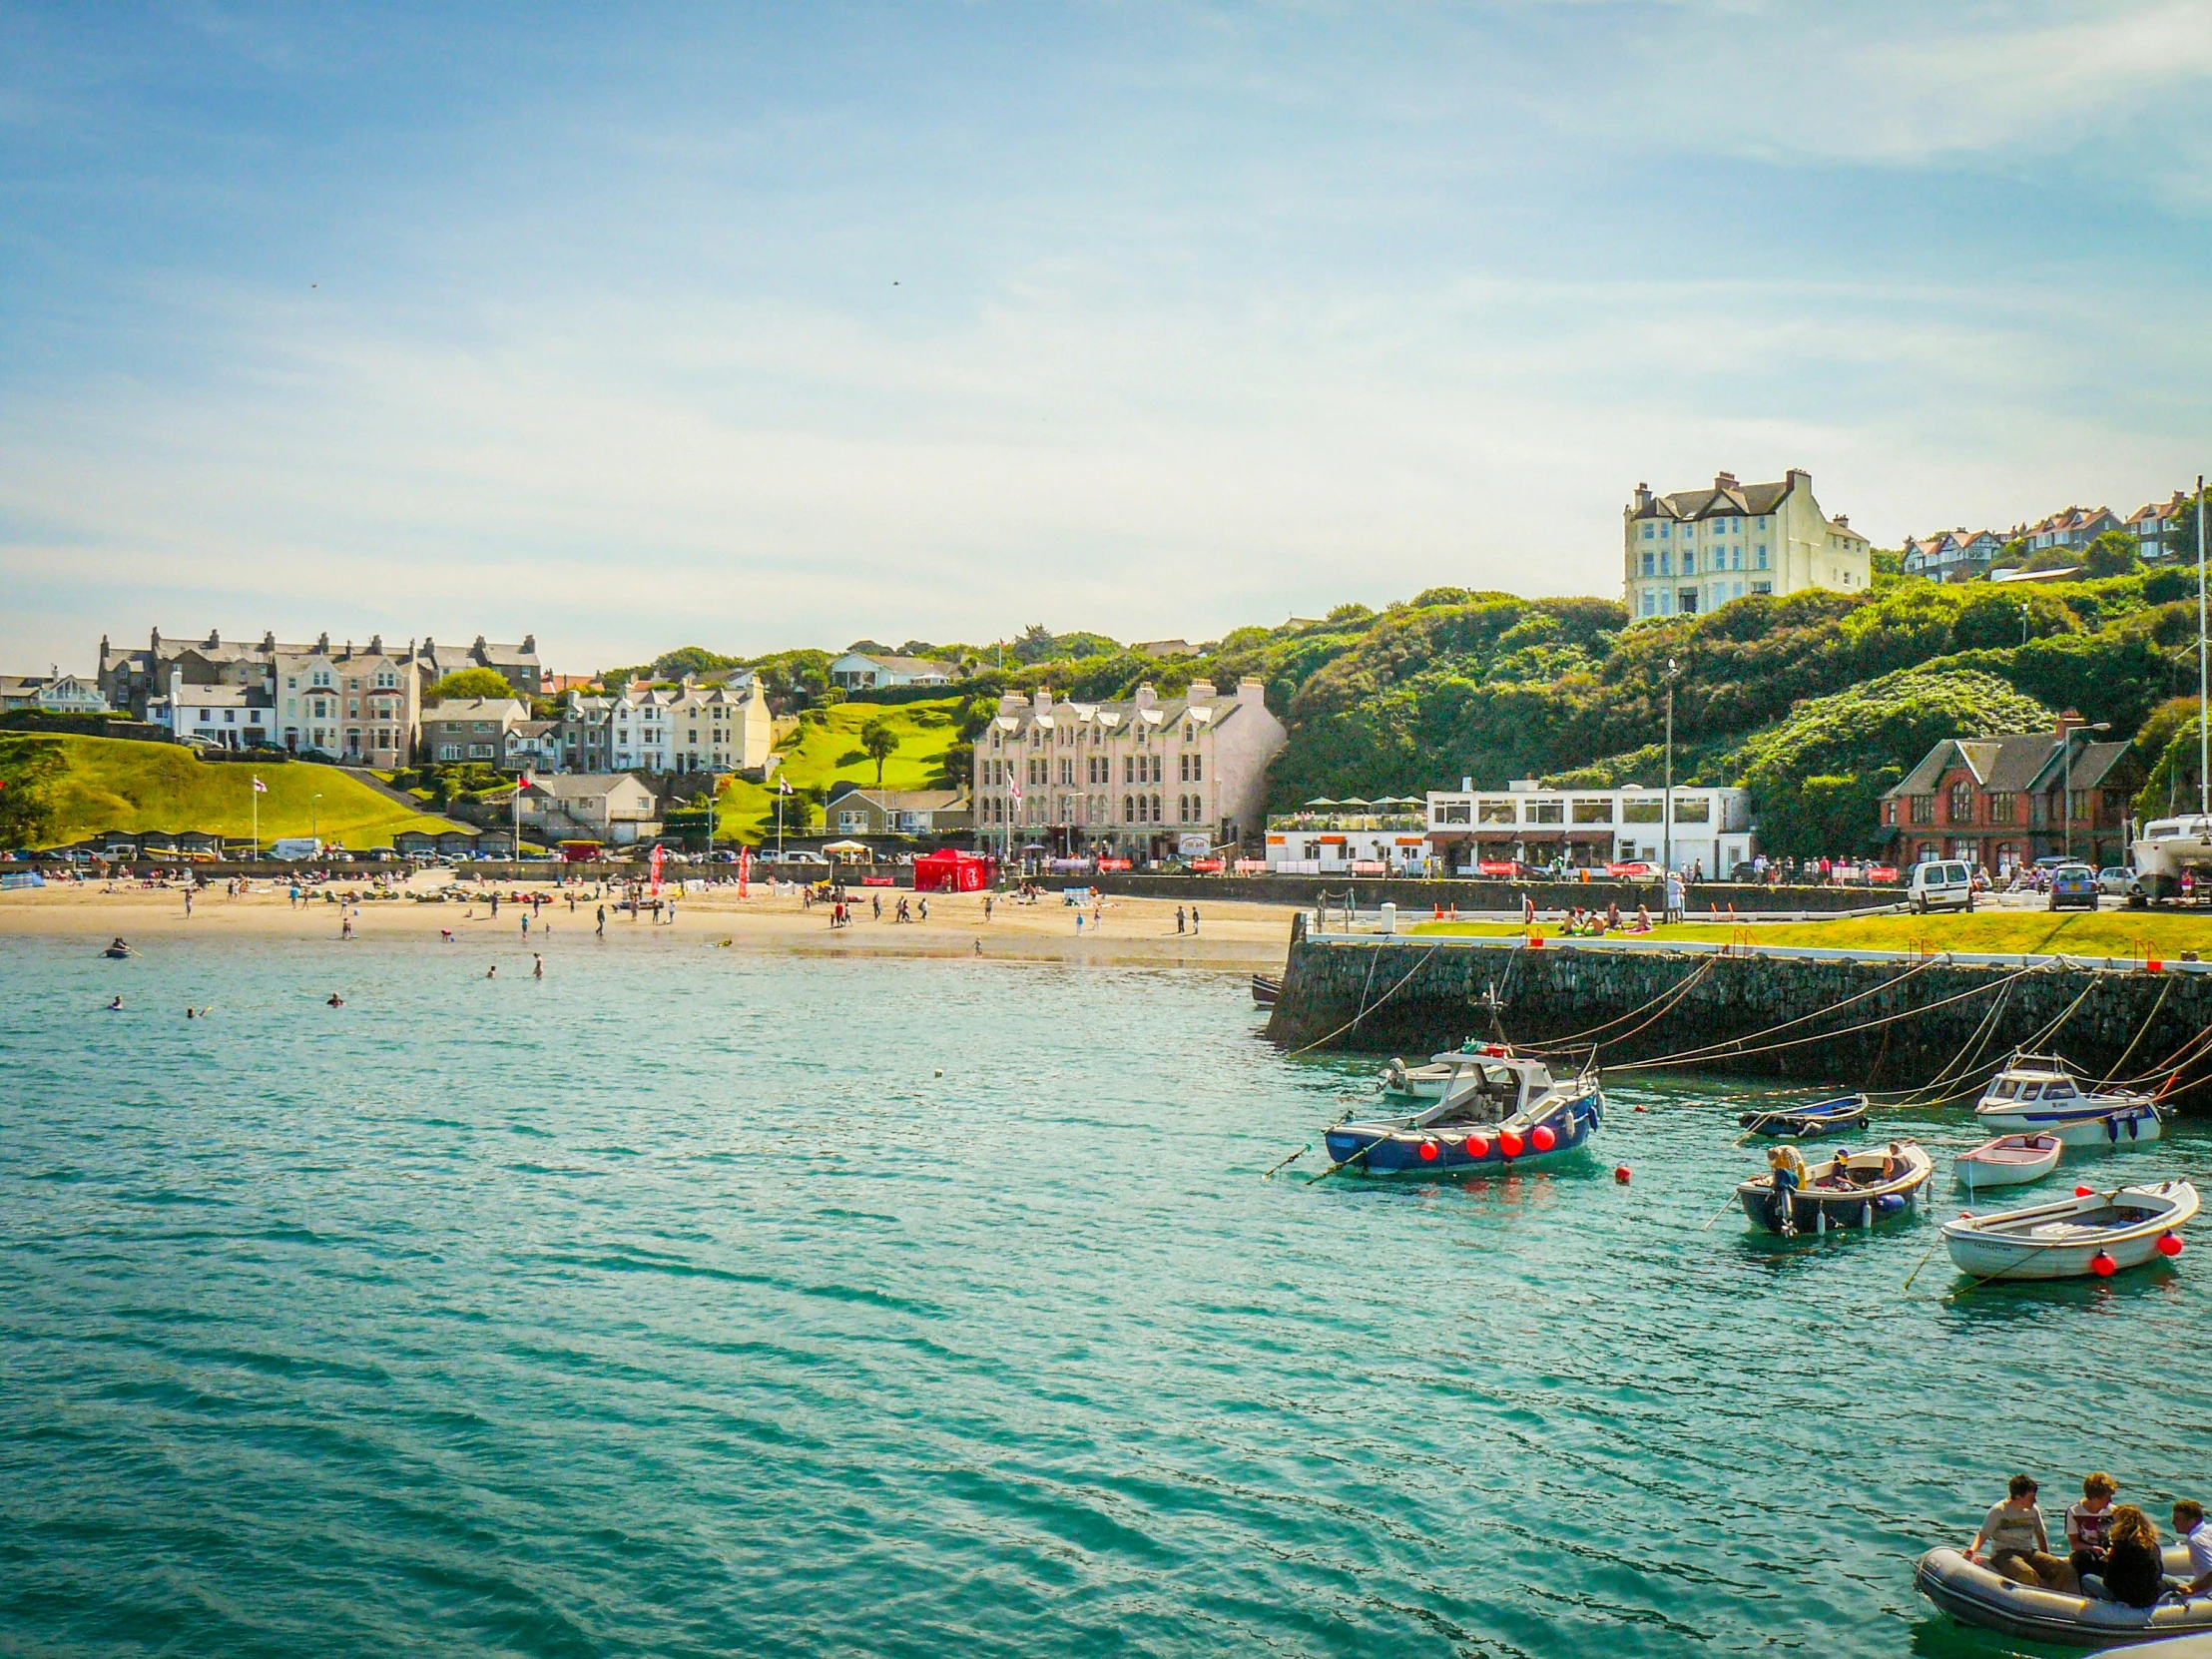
(2118,880)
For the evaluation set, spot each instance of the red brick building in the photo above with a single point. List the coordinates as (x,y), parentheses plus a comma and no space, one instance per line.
(2001,802)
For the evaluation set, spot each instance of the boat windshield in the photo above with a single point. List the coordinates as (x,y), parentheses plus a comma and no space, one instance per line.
(2058,1091)
(2005,1090)
(2031,1091)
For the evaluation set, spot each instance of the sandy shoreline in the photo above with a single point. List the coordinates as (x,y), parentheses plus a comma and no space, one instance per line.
(1239,938)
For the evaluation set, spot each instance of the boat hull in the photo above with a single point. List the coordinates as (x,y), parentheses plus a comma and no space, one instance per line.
(1829,1117)
(1977,1172)
(1828,1208)
(1973,1594)
(2048,1241)
(2132,1125)
(1398,1154)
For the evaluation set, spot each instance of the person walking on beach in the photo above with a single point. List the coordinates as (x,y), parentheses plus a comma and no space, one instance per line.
(925,910)
(345,926)
(187,903)
(1179,918)
(986,916)
(876,905)
(602,921)
(495,905)
(537,971)
(1194,918)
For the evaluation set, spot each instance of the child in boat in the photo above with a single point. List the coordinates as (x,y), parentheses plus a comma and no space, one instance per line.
(2017,1542)
(1838,1173)
(2089,1523)
(2134,1570)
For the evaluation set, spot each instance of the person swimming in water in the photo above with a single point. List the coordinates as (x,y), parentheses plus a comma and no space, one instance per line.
(116,1007)
(336,1001)
(492,972)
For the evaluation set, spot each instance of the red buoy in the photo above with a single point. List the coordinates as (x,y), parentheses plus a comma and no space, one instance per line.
(2083,1191)
(2169,1244)
(1643,1108)
(1509,1144)
(1541,1138)
(1620,1174)
(1477,1147)
(2103,1266)
(1428,1152)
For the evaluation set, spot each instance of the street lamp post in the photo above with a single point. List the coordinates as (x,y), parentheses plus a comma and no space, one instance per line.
(315,820)
(2066,744)
(1666,807)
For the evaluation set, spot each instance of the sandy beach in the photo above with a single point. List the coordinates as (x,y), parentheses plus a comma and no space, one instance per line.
(1232,937)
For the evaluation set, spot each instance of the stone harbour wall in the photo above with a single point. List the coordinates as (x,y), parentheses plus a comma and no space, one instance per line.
(1421,1000)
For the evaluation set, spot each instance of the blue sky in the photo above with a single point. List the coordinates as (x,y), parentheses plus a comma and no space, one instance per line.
(639,326)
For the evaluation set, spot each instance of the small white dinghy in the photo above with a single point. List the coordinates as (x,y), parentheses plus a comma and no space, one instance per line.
(2008,1161)
(2095,1232)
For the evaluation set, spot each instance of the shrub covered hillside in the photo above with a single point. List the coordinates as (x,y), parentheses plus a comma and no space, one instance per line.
(1817,700)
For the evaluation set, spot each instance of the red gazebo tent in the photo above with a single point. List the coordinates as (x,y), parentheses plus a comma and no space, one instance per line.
(951,871)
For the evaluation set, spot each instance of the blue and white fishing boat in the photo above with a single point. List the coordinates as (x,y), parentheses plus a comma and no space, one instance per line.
(2038,1094)
(1799,1123)
(1501,1111)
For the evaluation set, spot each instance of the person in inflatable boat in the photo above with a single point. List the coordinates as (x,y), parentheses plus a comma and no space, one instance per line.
(2189,1522)
(2017,1542)
(2130,1571)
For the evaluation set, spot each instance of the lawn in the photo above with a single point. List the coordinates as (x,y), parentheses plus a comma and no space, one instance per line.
(2110,932)
(823,752)
(116,784)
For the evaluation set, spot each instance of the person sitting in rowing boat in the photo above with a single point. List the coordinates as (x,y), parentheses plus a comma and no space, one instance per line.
(2089,1523)
(1838,1173)
(1892,1162)
(1789,1176)
(2017,1542)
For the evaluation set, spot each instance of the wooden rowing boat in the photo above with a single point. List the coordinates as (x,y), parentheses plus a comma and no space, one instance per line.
(2066,1239)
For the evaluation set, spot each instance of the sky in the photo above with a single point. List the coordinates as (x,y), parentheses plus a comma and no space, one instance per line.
(636,326)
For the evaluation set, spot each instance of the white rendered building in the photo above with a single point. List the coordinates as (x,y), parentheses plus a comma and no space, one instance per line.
(1151,777)
(725,726)
(1696,550)
(1528,824)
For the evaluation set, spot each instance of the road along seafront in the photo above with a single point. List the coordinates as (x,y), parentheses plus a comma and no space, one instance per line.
(1886,1020)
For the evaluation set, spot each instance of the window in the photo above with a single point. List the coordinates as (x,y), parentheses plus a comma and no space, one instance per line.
(1961,801)
(1762,587)
(1923,809)
(1546,812)
(1128,809)
(1495,812)
(1685,601)
(1651,562)
(1647,537)
(1634,810)
(2004,808)
(1198,768)
(1693,808)
(1689,562)
(1761,556)
(1593,809)
(1451,812)
(1183,771)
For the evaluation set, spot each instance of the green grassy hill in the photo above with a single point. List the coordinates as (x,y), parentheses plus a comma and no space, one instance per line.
(107,784)
(827,750)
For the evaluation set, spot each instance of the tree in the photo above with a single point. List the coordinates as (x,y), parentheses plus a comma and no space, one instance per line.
(2115,553)
(878,742)
(2181,542)
(469,682)
(27,765)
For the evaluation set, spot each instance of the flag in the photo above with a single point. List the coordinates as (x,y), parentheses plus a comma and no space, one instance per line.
(783,785)
(745,870)
(260,788)
(659,852)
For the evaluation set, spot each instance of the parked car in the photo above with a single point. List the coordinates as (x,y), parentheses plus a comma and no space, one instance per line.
(1942,884)
(1635,869)
(2074,887)
(2118,880)
(798,857)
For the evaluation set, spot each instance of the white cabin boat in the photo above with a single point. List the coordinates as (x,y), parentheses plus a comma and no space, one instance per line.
(2008,1161)
(2038,1094)
(2063,1240)
(2168,847)
(1434,1080)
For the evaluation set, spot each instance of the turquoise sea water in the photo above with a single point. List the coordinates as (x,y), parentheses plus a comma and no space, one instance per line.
(676,1304)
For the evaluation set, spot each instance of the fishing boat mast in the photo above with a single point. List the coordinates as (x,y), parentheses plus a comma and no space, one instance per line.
(2204,676)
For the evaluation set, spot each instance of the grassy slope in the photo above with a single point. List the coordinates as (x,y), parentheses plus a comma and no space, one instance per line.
(113,783)
(2072,932)
(823,754)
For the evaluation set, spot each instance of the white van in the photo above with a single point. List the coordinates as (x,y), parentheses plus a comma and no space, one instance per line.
(1942,884)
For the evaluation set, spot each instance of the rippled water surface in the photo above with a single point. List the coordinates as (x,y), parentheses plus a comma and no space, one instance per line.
(697,1303)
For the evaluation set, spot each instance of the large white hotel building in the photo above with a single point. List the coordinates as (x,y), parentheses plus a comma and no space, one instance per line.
(1696,550)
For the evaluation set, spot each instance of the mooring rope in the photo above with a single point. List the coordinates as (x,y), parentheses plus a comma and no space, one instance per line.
(1726,1051)
(1958,1067)
(1368,1008)
(1713,1049)
(1672,993)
